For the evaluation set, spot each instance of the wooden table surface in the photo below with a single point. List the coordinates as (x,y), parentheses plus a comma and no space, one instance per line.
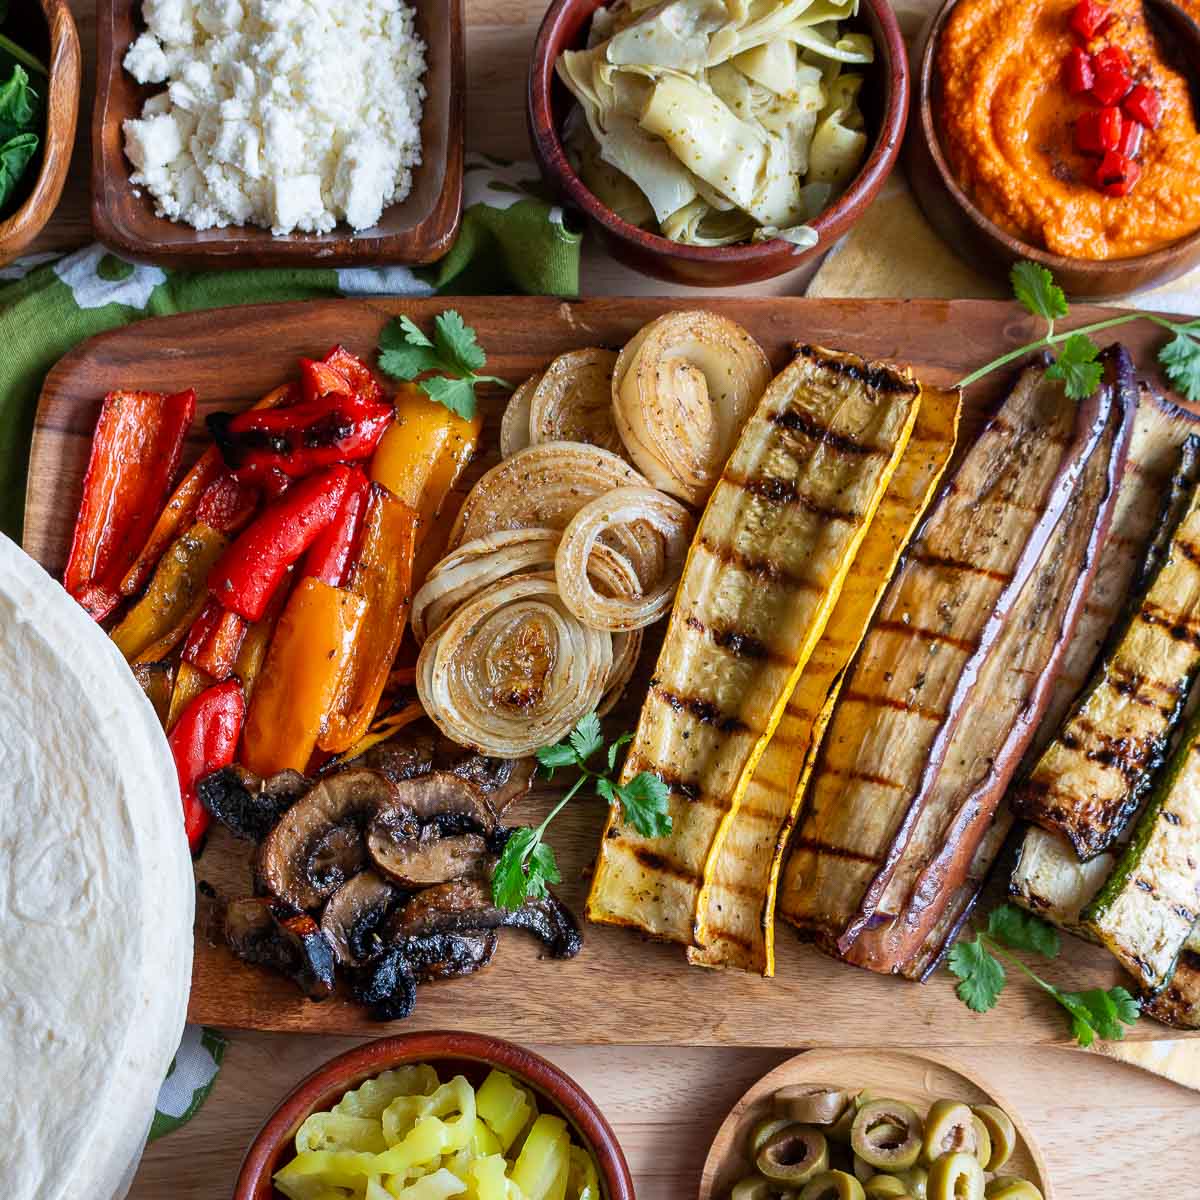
(1101,1124)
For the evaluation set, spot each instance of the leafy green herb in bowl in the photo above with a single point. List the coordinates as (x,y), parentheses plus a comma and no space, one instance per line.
(23,84)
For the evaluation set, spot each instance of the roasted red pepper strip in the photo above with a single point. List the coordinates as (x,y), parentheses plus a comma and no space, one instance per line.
(135,454)
(215,641)
(333,553)
(227,504)
(360,377)
(204,740)
(247,574)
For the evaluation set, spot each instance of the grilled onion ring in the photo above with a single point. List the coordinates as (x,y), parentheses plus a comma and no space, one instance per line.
(513,669)
(621,507)
(514,424)
(573,401)
(626,649)
(683,387)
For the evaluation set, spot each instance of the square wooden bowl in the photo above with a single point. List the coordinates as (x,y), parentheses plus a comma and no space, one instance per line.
(418,230)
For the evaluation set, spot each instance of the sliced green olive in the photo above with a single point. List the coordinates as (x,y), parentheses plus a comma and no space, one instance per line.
(956,1176)
(887,1135)
(793,1155)
(983,1140)
(1000,1129)
(812,1103)
(1009,1187)
(916,1180)
(840,1129)
(833,1185)
(884,1187)
(753,1187)
(863,1169)
(949,1129)
(764,1131)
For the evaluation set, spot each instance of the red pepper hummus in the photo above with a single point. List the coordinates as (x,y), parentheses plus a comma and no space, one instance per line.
(1007,122)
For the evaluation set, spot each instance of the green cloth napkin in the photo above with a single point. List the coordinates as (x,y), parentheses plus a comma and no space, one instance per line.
(512,239)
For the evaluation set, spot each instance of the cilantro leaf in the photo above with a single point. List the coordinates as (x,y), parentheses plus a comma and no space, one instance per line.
(644,803)
(1077,367)
(615,749)
(1021,930)
(586,737)
(458,395)
(455,341)
(1035,288)
(1180,358)
(558,755)
(510,883)
(413,334)
(1100,1013)
(980,973)
(407,361)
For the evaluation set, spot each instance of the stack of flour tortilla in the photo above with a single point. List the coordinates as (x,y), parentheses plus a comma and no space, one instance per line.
(96,899)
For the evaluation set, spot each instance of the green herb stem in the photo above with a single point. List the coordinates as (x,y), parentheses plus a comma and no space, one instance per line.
(8,46)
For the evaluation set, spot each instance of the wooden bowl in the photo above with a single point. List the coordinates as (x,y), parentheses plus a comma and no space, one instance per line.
(979,240)
(451,1053)
(917,1079)
(418,230)
(62,107)
(885,101)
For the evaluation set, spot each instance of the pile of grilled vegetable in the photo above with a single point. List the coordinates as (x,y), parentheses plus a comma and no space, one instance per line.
(824,1142)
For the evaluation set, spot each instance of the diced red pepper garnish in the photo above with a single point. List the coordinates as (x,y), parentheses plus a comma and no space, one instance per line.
(214,640)
(226,504)
(1087,17)
(1116,174)
(204,740)
(135,454)
(1111,85)
(1113,58)
(1080,72)
(360,377)
(1099,130)
(334,552)
(245,577)
(1143,105)
(1130,144)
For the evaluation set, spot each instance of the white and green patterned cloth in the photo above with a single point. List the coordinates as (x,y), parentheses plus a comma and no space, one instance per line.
(512,240)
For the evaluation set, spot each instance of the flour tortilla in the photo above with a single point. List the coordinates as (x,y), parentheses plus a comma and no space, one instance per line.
(96,899)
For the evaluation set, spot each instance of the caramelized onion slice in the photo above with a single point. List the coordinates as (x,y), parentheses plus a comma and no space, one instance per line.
(573,401)
(626,650)
(513,669)
(475,565)
(682,389)
(514,424)
(622,507)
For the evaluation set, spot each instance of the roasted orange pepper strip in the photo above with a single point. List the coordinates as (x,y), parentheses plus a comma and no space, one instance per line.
(253,653)
(295,691)
(189,683)
(382,576)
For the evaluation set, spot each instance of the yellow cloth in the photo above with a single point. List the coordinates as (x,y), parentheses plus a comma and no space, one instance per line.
(893,251)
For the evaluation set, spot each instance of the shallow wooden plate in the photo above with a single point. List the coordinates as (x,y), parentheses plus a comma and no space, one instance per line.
(419,230)
(917,1079)
(619,989)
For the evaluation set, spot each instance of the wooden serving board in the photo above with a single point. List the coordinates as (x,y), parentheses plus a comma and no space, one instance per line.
(620,989)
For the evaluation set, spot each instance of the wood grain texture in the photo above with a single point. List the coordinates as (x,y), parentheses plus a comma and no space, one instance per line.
(418,230)
(915,1079)
(619,989)
(62,107)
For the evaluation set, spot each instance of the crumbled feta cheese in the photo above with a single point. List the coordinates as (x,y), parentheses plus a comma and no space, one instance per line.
(290,114)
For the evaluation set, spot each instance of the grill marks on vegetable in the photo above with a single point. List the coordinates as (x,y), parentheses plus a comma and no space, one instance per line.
(770,556)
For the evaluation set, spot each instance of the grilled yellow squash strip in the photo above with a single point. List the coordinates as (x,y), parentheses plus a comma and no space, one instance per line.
(737,904)
(898,698)
(769,559)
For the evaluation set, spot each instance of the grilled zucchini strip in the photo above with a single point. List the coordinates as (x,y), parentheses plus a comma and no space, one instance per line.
(1178,1004)
(1092,778)
(997,719)
(1146,911)
(922,650)
(771,553)
(737,926)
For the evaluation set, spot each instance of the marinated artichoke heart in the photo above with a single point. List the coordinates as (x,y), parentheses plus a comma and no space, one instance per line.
(793,1155)
(1002,1136)
(949,1129)
(886,1134)
(813,1103)
(956,1176)
(833,1185)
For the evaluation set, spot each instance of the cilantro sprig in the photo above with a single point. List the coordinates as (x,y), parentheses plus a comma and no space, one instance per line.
(1077,364)
(979,966)
(453,355)
(528,864)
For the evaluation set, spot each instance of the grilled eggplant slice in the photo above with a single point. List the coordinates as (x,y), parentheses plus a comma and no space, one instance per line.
(1146,911)
(938,622)
(1092,778)
(739,917)
(771,553)
(997,720)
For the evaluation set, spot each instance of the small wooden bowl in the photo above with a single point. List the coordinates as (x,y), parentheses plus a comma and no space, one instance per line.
(451,1053)
(62,107)
(885,100)
(916,1079)
(418,230)
(977,239)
